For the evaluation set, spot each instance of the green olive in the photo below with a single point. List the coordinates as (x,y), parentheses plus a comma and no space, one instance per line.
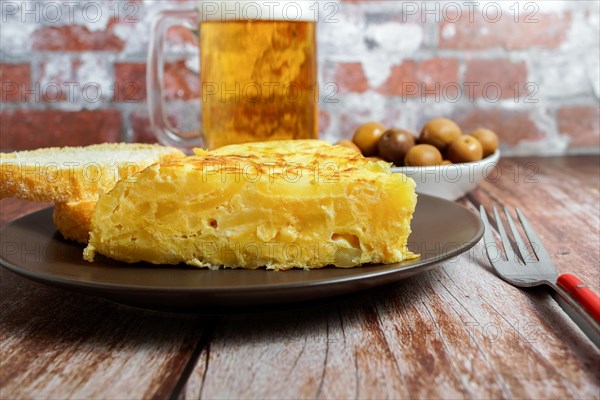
(465,149)
(367,136)
(423,155)
(488,139)
(394,144)
(439,132)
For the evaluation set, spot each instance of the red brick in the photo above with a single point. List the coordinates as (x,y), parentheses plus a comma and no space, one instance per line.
(130,82)
(433,77)
(180,82)
(401,74)
(495,79)
(140,128)
(511,126)
(141,131)
(31,129)
(549,31)
(350,78)
(14,78)
(581,123)
(73,38)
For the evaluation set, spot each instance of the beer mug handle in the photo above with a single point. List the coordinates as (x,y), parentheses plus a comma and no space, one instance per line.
(165,133)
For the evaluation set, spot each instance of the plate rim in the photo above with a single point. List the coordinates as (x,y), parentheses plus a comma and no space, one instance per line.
(61,281)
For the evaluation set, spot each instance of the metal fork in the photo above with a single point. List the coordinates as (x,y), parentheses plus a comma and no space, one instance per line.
(523,270)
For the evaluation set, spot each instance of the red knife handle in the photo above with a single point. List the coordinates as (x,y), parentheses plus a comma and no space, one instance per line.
(579,291)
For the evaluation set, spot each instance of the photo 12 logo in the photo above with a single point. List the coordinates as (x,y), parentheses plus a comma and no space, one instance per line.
(313,11)
(70,92)
(268,92)
(60,12)
(454,11)
(68,171)
(453,92)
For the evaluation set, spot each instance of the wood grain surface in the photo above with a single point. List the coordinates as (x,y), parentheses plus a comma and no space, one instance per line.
(454,332)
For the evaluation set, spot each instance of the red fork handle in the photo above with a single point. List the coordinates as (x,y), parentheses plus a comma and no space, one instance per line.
(583,295)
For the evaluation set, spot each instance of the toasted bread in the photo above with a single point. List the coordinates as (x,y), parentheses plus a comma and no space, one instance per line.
(74,177)
(280,204)
(72,174)
(74,220)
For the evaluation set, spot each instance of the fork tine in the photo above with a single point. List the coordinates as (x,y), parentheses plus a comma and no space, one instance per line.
(534,239)
(508,249)
(488,238)
(520,243)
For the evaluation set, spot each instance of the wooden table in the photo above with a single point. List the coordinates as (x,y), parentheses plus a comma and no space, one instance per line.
(456,331)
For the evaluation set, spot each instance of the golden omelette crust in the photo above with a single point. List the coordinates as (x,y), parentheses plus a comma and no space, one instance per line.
(250,205)
(288,159)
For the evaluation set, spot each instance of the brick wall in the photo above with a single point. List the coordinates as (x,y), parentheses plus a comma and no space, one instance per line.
(74,72)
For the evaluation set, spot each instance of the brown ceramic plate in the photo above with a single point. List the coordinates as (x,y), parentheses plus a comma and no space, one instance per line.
(31,247)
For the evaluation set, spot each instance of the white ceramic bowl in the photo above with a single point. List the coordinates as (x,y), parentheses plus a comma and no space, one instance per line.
(451,181)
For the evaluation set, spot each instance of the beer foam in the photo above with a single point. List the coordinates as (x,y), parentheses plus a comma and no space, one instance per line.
(262,10)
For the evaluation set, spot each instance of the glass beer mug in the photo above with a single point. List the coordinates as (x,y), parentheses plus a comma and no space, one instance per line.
(258,70)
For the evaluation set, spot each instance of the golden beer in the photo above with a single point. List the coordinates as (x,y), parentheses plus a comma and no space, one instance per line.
(259,81)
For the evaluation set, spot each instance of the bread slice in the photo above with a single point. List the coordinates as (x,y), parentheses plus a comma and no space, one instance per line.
(74,220)
(281,204)
(74,177)
(73,174)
